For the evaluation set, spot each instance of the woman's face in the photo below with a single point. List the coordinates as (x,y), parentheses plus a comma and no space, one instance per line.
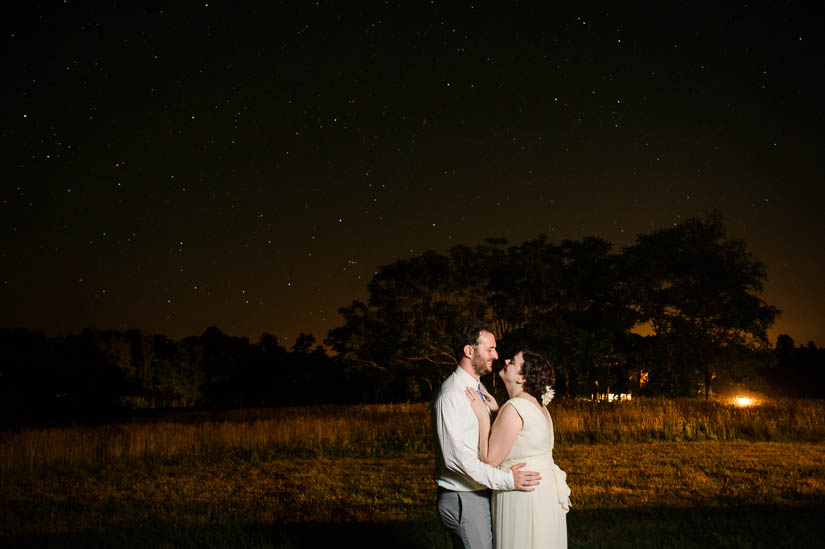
(512,368)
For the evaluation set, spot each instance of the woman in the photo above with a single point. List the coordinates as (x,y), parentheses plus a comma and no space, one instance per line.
(523,433)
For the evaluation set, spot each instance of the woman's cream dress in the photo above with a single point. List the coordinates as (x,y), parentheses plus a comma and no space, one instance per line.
(537,519)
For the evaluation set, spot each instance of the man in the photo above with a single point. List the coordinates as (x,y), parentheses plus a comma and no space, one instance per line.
(464,481)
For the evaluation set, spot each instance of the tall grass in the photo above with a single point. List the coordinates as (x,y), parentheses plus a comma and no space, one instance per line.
(645,420)
(366,430)
(389,430)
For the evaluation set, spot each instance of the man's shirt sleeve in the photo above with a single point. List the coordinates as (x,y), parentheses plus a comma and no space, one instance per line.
(457,429)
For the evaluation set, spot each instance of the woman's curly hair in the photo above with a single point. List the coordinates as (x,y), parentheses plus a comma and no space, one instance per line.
(538,373)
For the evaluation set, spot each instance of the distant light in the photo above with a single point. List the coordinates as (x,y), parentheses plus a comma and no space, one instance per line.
(615,397)
(744,401)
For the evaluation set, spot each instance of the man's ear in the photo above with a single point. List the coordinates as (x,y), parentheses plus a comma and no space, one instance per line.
(468,351)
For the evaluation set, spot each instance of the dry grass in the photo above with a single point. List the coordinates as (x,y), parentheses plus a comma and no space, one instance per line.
(388,430)
(689,420)
(705,474)
(643,474)
(245,497)
(358,430)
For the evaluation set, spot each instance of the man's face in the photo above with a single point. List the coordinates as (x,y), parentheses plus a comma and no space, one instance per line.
(484,353)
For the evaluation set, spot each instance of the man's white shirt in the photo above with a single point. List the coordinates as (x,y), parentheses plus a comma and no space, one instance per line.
(457,466)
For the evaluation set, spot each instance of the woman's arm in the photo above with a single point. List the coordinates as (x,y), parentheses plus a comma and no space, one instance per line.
(495,444)
(483,415)
(503,435)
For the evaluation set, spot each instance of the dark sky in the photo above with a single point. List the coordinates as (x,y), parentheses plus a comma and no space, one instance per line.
(171,169)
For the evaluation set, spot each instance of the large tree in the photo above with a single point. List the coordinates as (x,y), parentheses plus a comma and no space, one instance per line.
(699,289)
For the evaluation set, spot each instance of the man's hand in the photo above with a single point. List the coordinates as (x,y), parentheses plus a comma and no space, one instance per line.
(524,480)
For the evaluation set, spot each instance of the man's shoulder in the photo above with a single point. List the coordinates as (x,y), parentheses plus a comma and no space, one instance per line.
(451,389)
(450,385)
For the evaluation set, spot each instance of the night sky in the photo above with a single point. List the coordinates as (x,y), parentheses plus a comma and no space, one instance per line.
(172,169)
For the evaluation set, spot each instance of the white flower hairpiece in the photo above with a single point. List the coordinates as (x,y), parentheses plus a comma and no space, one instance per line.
(548,395)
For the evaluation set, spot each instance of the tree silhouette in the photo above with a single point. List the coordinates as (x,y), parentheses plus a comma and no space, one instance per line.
(577,302)
(699,289)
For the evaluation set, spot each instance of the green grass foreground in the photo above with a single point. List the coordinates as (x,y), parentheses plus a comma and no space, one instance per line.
(698,475)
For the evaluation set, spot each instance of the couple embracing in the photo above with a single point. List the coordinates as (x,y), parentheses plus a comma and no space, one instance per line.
(498,482)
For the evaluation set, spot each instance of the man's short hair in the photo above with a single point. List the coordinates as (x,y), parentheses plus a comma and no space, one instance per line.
(468,334)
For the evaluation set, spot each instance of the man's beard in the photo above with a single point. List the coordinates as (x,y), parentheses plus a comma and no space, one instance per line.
(479,365)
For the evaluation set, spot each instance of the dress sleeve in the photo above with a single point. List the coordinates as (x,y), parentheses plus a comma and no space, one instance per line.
(517,404)
(512,402)
(457,430)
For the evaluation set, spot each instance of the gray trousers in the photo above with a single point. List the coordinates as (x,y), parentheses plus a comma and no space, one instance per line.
(467,516)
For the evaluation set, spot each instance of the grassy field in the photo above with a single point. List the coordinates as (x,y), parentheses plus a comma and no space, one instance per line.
(310,477)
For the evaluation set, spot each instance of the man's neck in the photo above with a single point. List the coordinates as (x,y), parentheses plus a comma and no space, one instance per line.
(469,369)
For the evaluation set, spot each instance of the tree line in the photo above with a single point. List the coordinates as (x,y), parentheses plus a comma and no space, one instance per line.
(101,376)
(677,313)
